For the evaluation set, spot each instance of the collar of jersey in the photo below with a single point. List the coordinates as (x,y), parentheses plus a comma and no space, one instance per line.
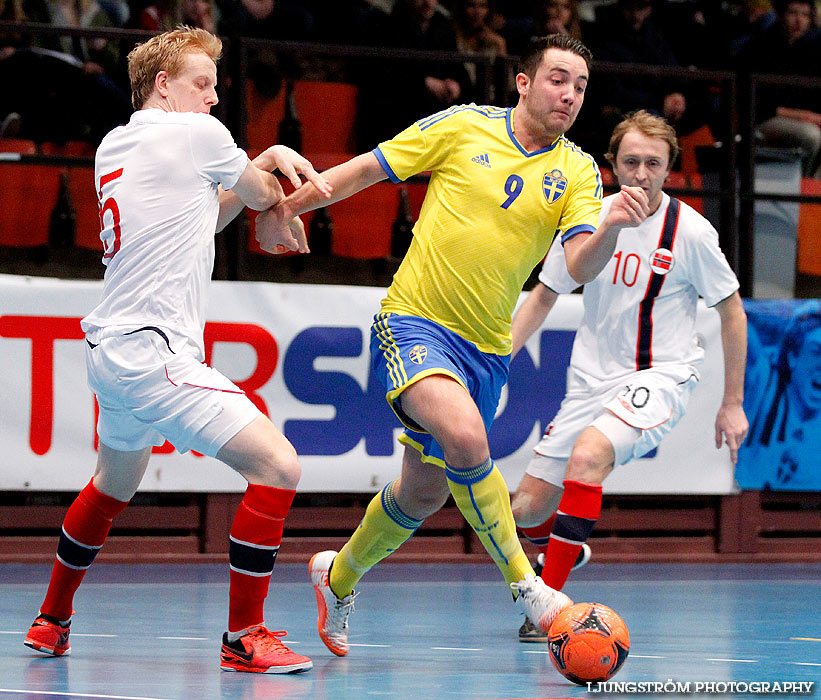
(522,150)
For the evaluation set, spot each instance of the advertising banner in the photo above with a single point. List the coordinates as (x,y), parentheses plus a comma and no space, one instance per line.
(300,352)
(782,397)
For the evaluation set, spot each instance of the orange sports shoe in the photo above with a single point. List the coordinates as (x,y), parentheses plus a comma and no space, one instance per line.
(48,636)
(260,651)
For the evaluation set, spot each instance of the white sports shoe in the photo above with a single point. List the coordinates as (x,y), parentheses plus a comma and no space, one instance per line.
(332,613)
(539,602)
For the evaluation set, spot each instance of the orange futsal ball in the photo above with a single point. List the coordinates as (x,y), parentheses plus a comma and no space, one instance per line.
(588,643)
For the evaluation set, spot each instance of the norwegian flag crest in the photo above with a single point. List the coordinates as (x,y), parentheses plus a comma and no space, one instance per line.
(662,261)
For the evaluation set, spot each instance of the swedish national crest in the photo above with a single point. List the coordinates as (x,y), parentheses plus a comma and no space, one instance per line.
(554,185)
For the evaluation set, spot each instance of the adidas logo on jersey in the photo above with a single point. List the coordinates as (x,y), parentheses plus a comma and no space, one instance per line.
(482,160)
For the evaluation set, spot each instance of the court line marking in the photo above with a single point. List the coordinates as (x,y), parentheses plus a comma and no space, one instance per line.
(738,661)
(383,646)
(193,639)
(805,639)
(77,695)
(86,634)
(647,656)
(456,649)
(803,663)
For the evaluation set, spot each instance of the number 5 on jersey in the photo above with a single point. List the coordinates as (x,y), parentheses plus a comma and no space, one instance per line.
(110,247)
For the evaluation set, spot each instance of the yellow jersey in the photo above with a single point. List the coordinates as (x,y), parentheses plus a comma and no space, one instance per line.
(491,211)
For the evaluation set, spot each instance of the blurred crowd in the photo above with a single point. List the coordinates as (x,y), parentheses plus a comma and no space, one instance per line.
(83,80)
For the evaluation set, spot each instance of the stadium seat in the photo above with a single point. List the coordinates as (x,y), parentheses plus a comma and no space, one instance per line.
(79,149)
(702,136)
(264,115)
(809,230)
(678,180)
(22,146)
(84,198)
(695,183)
(327,112)
(362,223)
(28,195)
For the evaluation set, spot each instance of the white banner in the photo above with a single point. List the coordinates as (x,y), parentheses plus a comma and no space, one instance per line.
(301,353)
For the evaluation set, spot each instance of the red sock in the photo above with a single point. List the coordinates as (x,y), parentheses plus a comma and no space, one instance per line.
(539,534)
(85,528)
(577,515)
(255,538)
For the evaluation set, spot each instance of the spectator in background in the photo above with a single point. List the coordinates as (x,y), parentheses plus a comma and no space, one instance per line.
(557,17)
(748,19)
(168,14)
(788,116)
(625,32)
(544,17)
(98,56)
(268,19)
(474,35)
(399,92)
(10,11)
(76,77)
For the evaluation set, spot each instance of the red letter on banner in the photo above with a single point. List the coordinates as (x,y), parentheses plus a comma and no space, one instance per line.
(258,338)
(43,331)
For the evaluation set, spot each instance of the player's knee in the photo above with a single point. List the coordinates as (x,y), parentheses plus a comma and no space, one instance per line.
(528,510)
(587,464)
(465,449)
(277,466)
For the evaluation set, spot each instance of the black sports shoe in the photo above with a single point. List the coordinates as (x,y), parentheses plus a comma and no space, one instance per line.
(584,557)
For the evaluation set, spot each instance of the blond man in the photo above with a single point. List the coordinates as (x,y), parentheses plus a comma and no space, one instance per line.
(167,182)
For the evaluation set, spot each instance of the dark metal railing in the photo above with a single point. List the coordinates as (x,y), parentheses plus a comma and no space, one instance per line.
(735,193)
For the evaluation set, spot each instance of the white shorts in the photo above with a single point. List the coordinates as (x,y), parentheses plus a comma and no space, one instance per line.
(148,394)
(634,413)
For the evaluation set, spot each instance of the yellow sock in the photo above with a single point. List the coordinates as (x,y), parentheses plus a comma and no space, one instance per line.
(382,531)
(482,495)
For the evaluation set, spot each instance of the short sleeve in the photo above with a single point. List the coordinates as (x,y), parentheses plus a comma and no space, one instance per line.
(216,156)
(708,270)
(581,213)
(422,146)
(554,272)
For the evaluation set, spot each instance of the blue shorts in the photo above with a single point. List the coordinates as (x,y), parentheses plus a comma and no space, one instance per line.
(405,349)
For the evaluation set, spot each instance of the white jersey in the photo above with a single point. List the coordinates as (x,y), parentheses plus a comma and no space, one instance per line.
(158,241)
(640,311)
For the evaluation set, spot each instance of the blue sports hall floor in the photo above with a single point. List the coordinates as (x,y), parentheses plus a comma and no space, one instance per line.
(421,632)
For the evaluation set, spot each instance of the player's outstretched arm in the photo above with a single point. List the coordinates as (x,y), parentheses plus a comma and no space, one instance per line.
(289,162)
(531,314)
(345,180)
(731,421)
(588,253)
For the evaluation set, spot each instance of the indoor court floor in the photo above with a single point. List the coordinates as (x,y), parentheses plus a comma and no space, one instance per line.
(419,632)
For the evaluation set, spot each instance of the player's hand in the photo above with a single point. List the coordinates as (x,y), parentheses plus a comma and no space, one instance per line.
(292,165)
(277,232)
(731,427)
(630,207)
